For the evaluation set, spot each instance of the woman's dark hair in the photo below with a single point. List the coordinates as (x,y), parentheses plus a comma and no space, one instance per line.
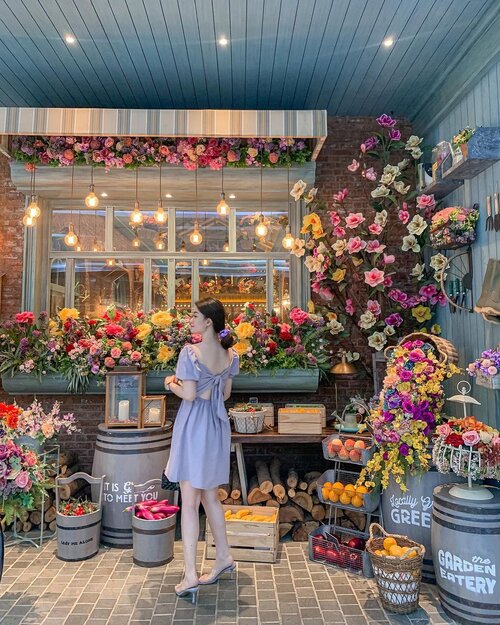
(214,310)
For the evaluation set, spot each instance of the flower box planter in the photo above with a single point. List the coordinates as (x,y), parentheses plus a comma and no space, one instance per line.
(488,381)
(276,381)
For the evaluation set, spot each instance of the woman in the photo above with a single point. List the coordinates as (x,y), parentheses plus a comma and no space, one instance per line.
(201,441)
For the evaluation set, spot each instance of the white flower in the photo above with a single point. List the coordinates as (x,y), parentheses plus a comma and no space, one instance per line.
(381,218)
(413,142)
(322,249)
(392,170)
(416,153)
(377,340)
(335,326)
(311,195)
(400,187)
(438,274)
(367,320)
(310,245)
(403,164)
(387,179)
(389,330)
(417,225)
(339,246)
(380,191)
(417,271)
(314,263)
(410,243)
(486,437)
(438,261)
(298,248)
(298,189)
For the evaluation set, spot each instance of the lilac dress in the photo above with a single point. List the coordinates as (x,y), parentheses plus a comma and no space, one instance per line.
(201,440)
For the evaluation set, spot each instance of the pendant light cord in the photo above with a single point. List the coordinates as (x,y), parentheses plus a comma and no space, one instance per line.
(261,174)
(72,192)
(136,184)
(196,194)
(161,200)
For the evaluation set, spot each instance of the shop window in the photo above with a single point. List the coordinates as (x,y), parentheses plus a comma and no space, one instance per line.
(183,284)
(248,241)
(144,237)
(159,284)
(281,287)
(57,286)
(88,224)
(213,228)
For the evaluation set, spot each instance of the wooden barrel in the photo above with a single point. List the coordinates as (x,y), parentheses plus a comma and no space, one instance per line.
(153,541)
(466,552)
(127,457)
(410,513)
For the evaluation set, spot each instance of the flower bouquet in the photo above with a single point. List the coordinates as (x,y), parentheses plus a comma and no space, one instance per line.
(454,227)
(470,449)
(77,507)
(408,412)
(35,423)
(486,369)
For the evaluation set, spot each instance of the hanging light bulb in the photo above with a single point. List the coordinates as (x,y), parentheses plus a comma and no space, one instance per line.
(183,247)
(95,245)
(28,221)
(136,217)
(223,207)
(91,201)
(33,210)
(160,216)
(261,229)
(288,239)
(159,241)
(110,262)
(205,262)
(71,239)
(78,247)
(225,247)
(196,237)
(136,242)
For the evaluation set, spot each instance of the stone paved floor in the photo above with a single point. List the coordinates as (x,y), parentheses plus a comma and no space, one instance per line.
(109,590)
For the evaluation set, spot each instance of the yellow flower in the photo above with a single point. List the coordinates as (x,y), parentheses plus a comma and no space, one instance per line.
(312,222)
(338,275)
(421,313)
(244,330)
(162,319)
(404,387)
(310,306)
(165,353)
(241,347)
(53,328)
(436,329)
(68,313)
(143,331)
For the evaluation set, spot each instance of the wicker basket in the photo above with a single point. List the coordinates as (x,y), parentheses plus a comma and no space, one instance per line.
(398,579)
(445,350)
(248,422)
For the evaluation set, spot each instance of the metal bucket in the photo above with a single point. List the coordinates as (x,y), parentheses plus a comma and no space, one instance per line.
(153,540)
(78,536)
(127,457)
(466,552)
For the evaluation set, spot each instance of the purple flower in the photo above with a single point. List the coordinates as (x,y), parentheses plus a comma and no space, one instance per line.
(394,135)
(386,121)
(404,450)
(394,320)
(370,143)
(24,344)
(406,375)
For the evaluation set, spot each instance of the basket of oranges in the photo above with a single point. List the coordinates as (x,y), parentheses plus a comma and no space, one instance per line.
(397,567)
(338,488)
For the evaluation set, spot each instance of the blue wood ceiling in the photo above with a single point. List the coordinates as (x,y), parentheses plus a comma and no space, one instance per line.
(282,54)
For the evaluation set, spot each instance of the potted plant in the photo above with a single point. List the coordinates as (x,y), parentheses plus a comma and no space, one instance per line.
(460,141)
(486,369)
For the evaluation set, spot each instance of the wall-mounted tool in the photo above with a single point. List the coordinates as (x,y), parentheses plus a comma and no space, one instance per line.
(496,220)
(489,219)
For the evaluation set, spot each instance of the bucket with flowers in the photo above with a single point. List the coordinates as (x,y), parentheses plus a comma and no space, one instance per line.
(486,369)
(78,521)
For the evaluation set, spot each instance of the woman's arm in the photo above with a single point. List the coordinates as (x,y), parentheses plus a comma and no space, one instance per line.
(186,390)
(228,387)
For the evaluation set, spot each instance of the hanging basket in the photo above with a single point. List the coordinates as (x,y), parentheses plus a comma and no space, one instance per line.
(445,349)
(398,579)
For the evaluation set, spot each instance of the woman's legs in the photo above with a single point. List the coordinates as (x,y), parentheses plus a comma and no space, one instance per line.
(215,515)
(190,527)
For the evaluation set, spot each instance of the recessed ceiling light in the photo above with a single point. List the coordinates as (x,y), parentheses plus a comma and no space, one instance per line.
(104,194)
(388,42)
(169,195)
(223,41)
(70,39)
(232,196)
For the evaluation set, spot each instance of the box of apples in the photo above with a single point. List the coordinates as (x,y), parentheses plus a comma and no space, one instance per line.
(354,449)
(344,549)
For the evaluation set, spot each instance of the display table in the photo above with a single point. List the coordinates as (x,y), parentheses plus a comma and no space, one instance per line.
(268,436)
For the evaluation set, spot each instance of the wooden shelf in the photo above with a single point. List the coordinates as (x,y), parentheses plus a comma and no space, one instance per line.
(442,188)
(468,169)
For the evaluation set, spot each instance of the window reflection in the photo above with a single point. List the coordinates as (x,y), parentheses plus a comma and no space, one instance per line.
(246,239)
(89,225)
(213,228)
(159,283)
(149,234)
(57,286)
(183,284)
(281,287)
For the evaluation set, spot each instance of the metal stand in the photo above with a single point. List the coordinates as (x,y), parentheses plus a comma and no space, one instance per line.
(50,457)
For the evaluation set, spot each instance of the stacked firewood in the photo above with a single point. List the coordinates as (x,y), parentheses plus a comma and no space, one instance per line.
(300,510)
(32,520)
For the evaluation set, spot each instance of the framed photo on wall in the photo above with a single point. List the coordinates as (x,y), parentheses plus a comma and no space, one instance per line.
(153,411)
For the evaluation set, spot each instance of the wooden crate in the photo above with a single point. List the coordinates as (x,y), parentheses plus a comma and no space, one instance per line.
(300,421)
(321,407)
(250,541)
(269,411)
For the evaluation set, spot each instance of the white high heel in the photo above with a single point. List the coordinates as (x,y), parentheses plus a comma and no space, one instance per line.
(193,591)
(212,580)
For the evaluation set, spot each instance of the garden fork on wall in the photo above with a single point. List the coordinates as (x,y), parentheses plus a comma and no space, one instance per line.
(496,220)
(489,219)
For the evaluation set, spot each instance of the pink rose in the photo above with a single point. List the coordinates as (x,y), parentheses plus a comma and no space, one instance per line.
(116,352)
(339,232)
(375,229)
(354,166)
(232,156)
(374,277)
(443,430)
(127,345)
(354,219)
(426,201)
(298,316)
(135,356)
(496,440)
(369,174)
(355,245)
(389,259)
(273,158)
(492,370)
(373,306)
(404,216)
(375,247)
(334,218)
(471,438)
(25,317)
(127,158)
(68,155)
(108,142)
(341,195)
(22,479)
(109,362)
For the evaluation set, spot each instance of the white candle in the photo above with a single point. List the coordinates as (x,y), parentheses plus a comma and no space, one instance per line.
(123,410)
(154,415)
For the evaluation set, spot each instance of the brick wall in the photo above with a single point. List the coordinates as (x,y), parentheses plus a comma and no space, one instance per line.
(345,135)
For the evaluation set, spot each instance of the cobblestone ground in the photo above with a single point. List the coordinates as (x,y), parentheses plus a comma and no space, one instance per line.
(109,589)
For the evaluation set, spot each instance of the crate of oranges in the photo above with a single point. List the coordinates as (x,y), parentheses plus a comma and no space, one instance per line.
(350,448)
(397,567)
(338,488)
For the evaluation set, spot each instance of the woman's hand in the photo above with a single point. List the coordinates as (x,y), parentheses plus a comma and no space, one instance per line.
(169,379)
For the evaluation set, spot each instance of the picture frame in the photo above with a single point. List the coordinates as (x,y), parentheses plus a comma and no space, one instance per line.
(153,411)
(124,391)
